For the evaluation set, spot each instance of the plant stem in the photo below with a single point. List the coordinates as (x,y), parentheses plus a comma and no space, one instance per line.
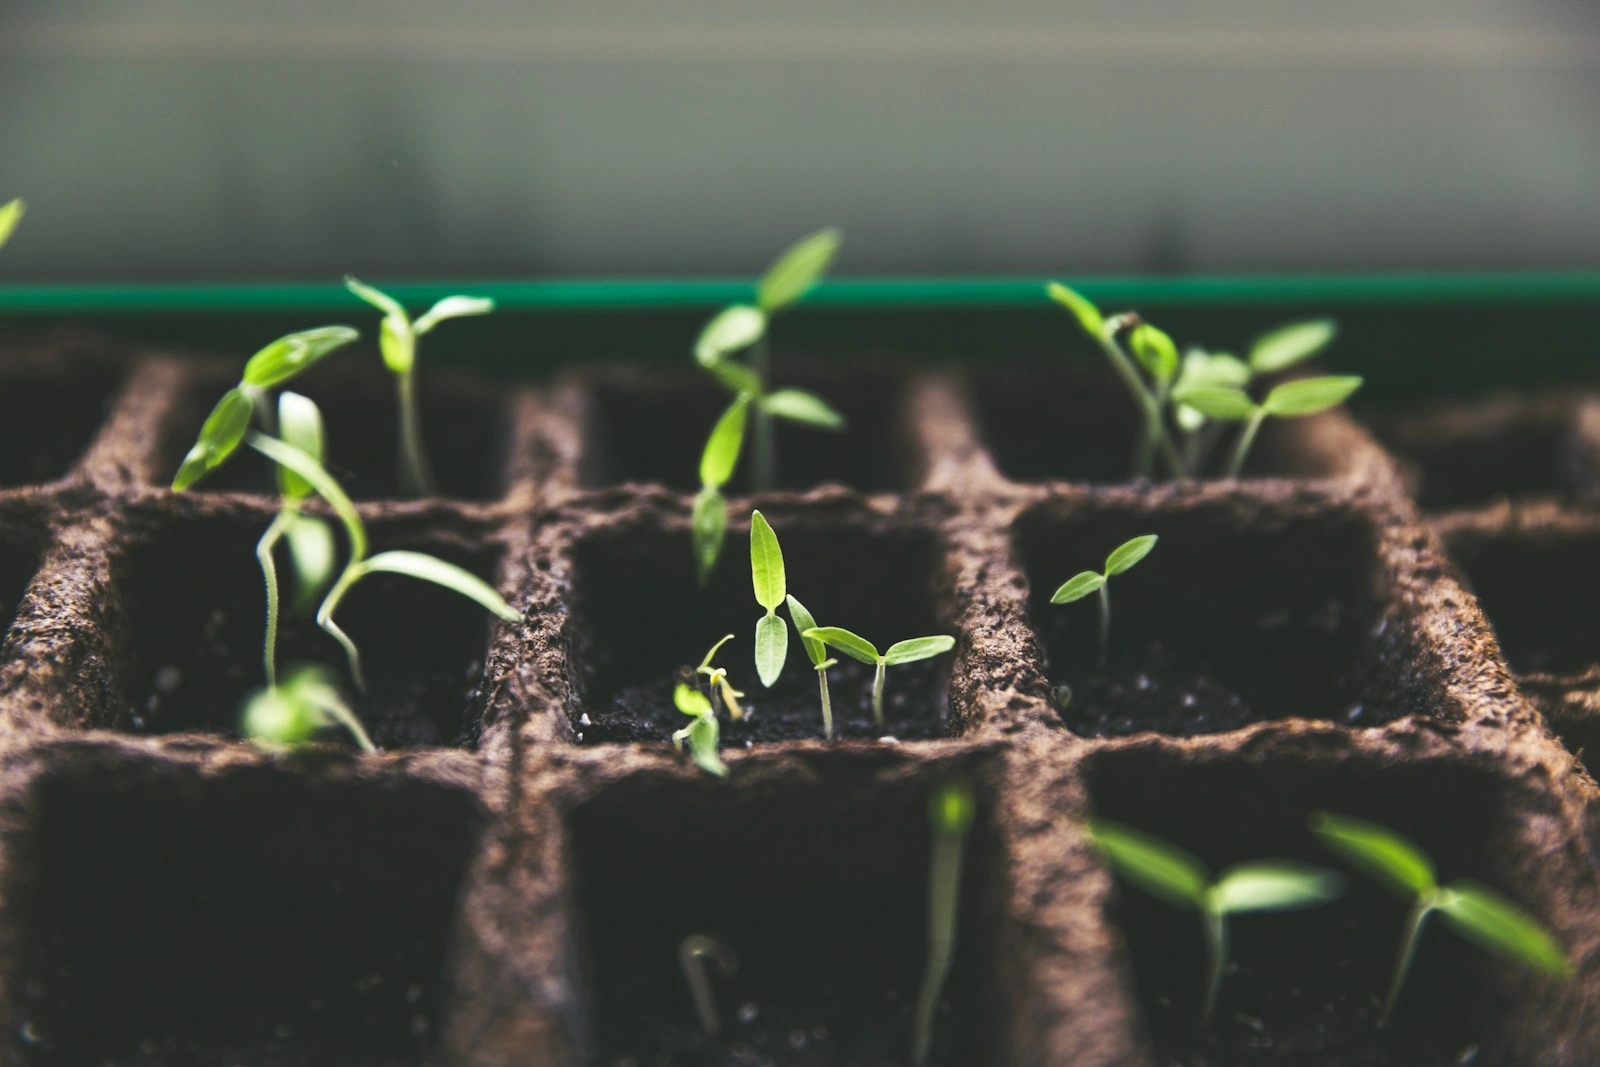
(827,704)
(877,692)
(269,572)
(764,455)
(1105,624)
(1246,438)
(352,573)
(1154,431)
(944,894)
(1408,951)
(692,953)
(416,477)
(1216,932)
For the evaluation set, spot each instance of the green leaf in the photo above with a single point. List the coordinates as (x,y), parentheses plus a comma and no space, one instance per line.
(766,564)
(704,736)
(1216,402)
(710,525)
(1088,315)
(312,554)
(1308,396)
(772,648)
(300,425)
(1130,552)
(722,447)
(1151,863)
(1498,925)
(1213,369)
(705,663)
(322,482)
(799,406)
(219,438)
(1287,345)
(315,686)
(293,353)
(452,307)
(10,214)
(456,579)
(736,377)
(730,330)
(1155,351)
(1273,885)
(1078,586)
(690,700)
(816,651)
(1378,851)
(856,647)
(917,648)
(398,344)
(951,807)
(278,717)
(376,297)
(797,270)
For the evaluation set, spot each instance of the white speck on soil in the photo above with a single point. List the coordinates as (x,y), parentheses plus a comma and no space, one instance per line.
(749,1013)
(168,679)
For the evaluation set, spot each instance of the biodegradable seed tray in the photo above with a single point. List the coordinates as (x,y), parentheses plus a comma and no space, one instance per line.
(507,883)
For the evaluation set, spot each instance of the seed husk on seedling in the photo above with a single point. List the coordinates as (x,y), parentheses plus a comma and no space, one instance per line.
(1291,400)
(1475,911)
(717,462)
(767,577)
(397,341)
(951,809)
(693,952)
(1172,874)
(11,213)
(859,648)
(817,653)
(718,684)
(1080,585)
(703,734)
(291,713)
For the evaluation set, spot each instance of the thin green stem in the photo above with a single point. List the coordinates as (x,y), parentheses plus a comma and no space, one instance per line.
(827,704)
(352,573)
(1215,925)
(1105,624)
(877,692)
(944,894)
(1246,437)
(764,443)
(269,572)
(1154,430)
(1420,910)
(416,476)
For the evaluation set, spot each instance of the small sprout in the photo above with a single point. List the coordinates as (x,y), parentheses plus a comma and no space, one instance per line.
(1080,585)
(703,734)
(693,951)
(717,462)
(1168,872)
(950,812)
(717,682)
(397,341)
(1477,912)
(1291,400)
(766,575)
(290,714)
(817,652)
(859,648)
(11,213)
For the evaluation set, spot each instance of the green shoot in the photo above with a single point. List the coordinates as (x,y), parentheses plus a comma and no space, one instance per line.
(360,565)
(702,734)
(817,652)
(717,462)
(1080,585)
(950,811)
(397,341)
(1291,400)
(859,648)
(1170,873)
(290,714)
(11,213)
(1282,348)
(693,951)
(766,576)
(717,682)
(1475,911)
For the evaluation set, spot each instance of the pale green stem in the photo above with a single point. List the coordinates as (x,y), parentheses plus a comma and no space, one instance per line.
(1154,430)
(416,476)
(330,604)
(1408,952)
(1105,624)
(1246,438)
(1216,931)
(1191,450)
(944,893)
(1149,441)
(877,692)
(269,572)
(346,718)
(692,954)
(827,704)
(764,446)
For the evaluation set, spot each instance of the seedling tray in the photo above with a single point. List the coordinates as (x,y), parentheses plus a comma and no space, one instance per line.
(507,882)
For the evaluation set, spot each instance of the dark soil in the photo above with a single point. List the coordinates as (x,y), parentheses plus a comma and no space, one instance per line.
(1539,590)
(47,423)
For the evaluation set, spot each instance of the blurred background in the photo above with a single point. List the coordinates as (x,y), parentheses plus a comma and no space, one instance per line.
(231,140)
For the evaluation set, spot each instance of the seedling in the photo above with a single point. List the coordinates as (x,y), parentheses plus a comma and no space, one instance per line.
(290,714)
(693,952)
(1475,911)
(1080,585)
(859,648)
(1168,872)
(717,462)
(766,575)
(397,341)
(1291,400)
(702,734)
(817,652)
(717,682)
(950,812)
(10,214)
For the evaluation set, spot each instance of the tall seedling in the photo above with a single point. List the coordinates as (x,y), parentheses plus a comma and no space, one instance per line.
(817,653)
(951,809)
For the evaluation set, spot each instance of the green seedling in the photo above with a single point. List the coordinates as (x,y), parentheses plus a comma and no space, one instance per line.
(11,213)
(817,652)
(717,682)
(1474,911)
(1291,400)
(703,735)
(717,462)
(1080,585)
(950,812)
(290,714)
(859,648)
(693,952)
(360,565)
(397,341)
(1173,875)
(766,575)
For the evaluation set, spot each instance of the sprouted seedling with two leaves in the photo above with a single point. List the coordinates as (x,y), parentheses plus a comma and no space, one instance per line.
(717,682)
(1172,874)
(703,735)
(1474,911)
(292,712)
(1080,585)
(817,653)
(951,809)
(901,652)
(771,587)
(397,341)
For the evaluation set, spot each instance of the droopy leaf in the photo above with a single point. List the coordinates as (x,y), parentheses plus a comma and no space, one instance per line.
(797,270)
(11,213)
(1087,314)
(291,354)
(816,651)
(1216,402)
(324,483)
(300,425)
(710,525)
(376,297)
(1308,396)
(1378,851)
(797,405)
(1154,350)
(1151,863)
(730,330)
(1498,925)
(1273,885)
(690,701)
(1130,552)
(704,736)
(439,572)
(1285,346)
(219,438)
(772,648)
(452,307)
(917,648)
(766,564)
(722,447)
(1078,586)
(852,645)
(705,664)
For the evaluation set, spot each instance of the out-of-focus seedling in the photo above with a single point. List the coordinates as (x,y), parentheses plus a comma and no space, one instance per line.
(11,213)
(291,713)
(1476,912)
(703,735)
(859,648)
(1172,874)
(1080,585)
(766,575)
(717,462)
(817,653)
(950,812)
(397,341)
(717,682)
(1291,400)
(693,952)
